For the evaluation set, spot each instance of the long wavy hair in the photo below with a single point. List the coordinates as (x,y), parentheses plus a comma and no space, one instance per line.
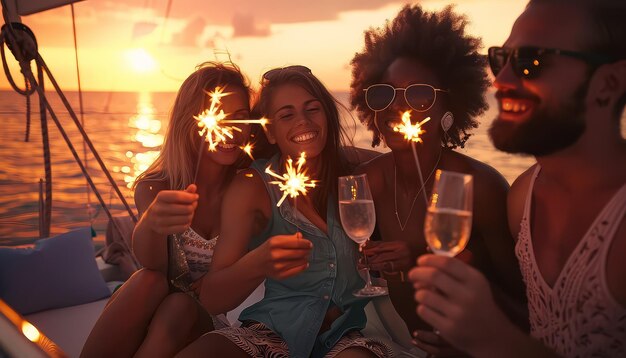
(439,41)
(333,160)
(179,153)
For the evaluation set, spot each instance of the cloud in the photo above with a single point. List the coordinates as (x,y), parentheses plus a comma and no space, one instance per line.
(275,12)
(215,41)
(143,28)
(244,25)
(138,19)
(190,34)
(220,14)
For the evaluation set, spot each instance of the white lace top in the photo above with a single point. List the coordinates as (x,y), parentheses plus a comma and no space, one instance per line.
(198,252)
(578,316)
(198,255)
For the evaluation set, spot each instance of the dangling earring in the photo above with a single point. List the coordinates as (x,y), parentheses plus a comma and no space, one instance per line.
(446,123)
(380,136)
(376,120)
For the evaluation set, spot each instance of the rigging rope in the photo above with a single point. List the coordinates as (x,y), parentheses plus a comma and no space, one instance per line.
(24,52)
(37,85)
(90,212)
(27,134)
(46,153)
(55,84)
(28,90)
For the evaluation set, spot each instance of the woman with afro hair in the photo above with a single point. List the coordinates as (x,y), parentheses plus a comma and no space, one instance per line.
(425,63)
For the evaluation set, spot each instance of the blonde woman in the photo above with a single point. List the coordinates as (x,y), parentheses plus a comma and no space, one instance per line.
(151,315)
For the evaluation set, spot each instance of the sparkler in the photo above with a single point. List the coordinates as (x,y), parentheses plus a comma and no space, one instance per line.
(412,133)
(216,129)
(213,123)
(293,182)
(247,148)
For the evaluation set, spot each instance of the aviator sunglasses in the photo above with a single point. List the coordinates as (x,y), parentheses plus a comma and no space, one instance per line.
(527,62)
(419,96)
(267,76)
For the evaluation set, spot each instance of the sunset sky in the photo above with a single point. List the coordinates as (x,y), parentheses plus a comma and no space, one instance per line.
(131,46)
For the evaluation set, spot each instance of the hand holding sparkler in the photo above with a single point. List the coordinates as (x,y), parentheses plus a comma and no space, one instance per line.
(283,256)
(171,211)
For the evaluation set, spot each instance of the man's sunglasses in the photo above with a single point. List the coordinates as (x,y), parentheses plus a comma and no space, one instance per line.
(527,62)
(420,97)
(269,75)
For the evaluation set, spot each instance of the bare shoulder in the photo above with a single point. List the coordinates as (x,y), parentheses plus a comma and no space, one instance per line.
(146,191)
(375,169)
(357,156)
(521,184)
(486,178)
(517,198)
(374,164)
(248,180)
(247,191)
(490,192)
(246,207)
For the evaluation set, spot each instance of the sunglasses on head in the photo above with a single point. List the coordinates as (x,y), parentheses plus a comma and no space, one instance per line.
(527,61)
(267,76)
(419,96)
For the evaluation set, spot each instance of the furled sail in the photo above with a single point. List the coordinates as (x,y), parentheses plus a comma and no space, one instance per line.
(28,7)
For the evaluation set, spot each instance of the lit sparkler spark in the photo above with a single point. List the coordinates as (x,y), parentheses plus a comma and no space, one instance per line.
(213,123)
(295,181)
(412,134)
(210,121)
(411,131)
(247,148)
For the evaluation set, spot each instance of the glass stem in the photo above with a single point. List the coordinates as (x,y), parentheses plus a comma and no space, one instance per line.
(368,281)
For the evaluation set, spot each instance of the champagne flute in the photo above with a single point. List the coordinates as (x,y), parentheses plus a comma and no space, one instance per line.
(448,222)
(358,218)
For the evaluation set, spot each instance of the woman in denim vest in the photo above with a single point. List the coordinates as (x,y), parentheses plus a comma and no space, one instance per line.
(307,261)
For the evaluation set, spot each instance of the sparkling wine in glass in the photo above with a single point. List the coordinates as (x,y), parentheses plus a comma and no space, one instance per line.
(358,218)
(448,222)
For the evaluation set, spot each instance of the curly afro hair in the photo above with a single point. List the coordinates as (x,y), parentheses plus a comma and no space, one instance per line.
(438,40)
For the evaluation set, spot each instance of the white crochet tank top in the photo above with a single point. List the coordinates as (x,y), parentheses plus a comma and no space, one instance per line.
(578,317)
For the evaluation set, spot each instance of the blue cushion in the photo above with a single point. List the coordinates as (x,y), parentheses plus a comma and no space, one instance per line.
(57,272)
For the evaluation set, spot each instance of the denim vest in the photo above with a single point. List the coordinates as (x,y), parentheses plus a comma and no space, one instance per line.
(295,307)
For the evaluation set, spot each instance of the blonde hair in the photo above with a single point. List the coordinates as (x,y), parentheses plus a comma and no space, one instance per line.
(179,153)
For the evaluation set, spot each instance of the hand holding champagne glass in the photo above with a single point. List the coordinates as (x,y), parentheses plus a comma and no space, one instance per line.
(448,222)
(358,218)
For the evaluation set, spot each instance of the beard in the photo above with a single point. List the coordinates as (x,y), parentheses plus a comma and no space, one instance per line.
(547,131)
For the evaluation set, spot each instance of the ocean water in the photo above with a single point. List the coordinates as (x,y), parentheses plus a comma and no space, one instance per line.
(126,130)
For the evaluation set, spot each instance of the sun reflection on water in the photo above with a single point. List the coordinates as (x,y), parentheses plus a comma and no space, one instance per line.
(146,128)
